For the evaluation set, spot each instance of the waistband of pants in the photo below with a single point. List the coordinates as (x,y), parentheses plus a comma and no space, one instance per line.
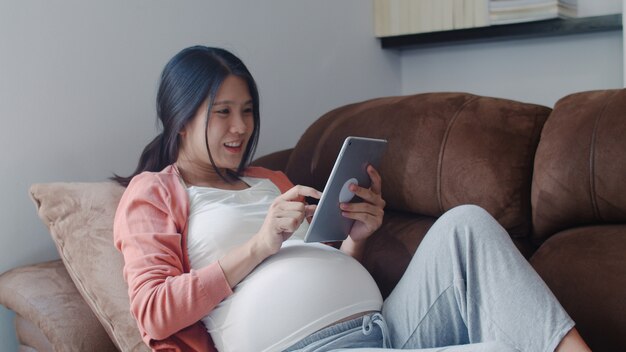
(365,323)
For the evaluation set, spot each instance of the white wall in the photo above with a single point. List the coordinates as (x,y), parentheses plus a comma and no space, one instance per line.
(532,70)
(78,82)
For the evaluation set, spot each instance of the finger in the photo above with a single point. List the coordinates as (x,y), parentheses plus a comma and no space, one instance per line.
(367,195)
(299,191)
(297,216)
(377,181)
(289,214)
(362,207)
(371,222)
(309,210)
(290,205)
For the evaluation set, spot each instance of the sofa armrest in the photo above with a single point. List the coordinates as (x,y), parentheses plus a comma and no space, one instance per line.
(45,296)
(274,161)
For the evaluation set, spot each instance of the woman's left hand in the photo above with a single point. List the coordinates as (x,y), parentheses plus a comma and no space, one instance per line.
(368,213)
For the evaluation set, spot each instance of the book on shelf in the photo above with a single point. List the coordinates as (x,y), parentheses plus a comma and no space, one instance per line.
(515,11)
(589,8)
(399,17)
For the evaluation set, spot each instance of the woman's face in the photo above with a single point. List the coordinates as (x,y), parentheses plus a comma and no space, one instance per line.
(231,122)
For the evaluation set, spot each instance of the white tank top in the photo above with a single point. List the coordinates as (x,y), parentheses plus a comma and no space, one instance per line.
(299,290)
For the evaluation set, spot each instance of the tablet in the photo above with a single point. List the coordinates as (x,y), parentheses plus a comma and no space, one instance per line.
(328,225)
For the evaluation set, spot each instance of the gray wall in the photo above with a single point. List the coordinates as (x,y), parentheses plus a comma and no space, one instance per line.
(532,70)
(78,81)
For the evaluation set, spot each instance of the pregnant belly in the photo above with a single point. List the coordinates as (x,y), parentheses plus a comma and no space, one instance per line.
(299,290)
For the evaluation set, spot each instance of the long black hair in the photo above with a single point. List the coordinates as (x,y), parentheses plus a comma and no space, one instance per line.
(191,77)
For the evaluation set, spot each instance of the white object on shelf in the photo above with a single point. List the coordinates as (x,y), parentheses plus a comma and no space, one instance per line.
(589,8)
(515,11)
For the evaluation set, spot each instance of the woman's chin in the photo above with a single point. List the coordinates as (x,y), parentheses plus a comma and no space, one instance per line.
(232,165)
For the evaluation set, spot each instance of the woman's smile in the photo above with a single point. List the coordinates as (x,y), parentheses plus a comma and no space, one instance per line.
(234,147)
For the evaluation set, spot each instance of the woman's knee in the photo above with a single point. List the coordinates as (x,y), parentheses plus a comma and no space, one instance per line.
(467,215)
(467,212)
(473,221)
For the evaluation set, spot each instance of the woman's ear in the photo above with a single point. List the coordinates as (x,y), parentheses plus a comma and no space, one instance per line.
(183,131)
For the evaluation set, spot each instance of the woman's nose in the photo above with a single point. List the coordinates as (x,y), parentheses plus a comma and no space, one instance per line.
(238,124)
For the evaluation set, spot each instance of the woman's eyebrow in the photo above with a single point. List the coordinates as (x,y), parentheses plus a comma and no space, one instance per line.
(231,102)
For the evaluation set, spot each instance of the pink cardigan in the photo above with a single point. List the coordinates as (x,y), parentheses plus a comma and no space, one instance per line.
(167,298)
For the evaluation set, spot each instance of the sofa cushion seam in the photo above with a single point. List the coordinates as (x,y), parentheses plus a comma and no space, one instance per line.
(443,148)
(592,160)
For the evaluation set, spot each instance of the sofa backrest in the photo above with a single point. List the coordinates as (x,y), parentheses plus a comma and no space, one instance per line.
(580,166)
(445,149)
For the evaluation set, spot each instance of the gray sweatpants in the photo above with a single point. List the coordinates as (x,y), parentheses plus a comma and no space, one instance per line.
(466,289)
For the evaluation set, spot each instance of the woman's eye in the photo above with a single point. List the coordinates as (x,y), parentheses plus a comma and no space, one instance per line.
(223,111)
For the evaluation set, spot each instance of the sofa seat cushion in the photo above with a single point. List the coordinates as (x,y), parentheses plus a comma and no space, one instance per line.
(80,219)
(586,269)
(49,310)
(390,249)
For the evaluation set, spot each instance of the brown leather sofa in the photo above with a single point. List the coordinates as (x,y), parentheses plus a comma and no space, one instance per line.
(555,179)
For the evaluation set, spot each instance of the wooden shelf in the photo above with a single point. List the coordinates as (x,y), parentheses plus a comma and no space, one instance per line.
(535,29)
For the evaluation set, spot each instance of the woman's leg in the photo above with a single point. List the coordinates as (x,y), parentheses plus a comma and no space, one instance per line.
(468,283)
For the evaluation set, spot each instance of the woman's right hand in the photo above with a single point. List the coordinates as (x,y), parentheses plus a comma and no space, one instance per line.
(284,217)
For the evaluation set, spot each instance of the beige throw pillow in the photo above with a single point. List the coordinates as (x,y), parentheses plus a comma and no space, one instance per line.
(80,219)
